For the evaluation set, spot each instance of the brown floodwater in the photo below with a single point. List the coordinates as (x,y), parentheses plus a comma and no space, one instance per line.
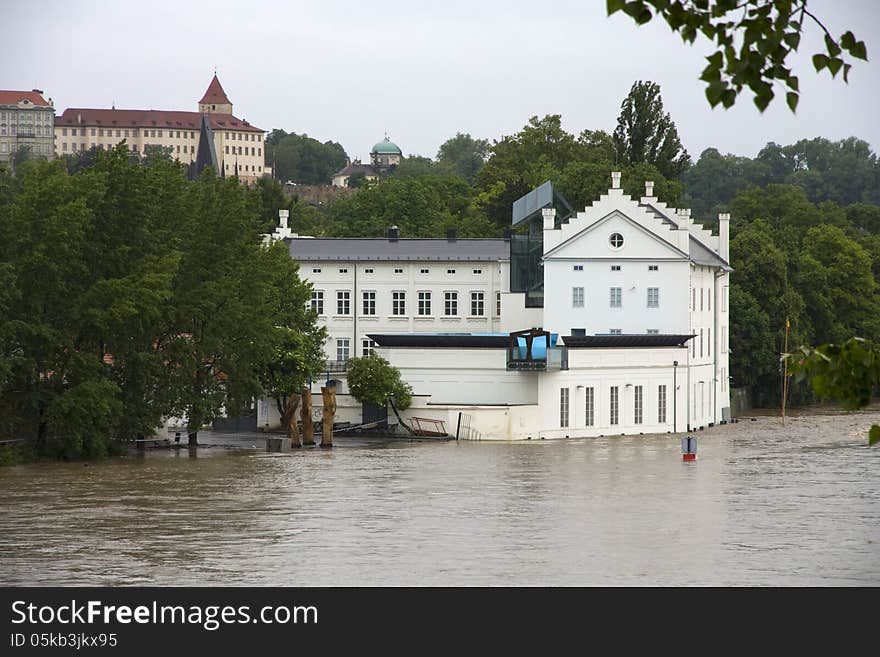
(763,505)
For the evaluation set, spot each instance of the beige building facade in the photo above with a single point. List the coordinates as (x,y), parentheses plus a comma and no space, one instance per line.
(239,145)
(26,121)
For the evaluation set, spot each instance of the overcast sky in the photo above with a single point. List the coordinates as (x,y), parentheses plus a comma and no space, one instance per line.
(349,71)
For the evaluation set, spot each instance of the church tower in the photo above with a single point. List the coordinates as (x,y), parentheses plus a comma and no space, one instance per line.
(215,101)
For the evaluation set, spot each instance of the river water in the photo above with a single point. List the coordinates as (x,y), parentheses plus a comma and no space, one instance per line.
(763,505)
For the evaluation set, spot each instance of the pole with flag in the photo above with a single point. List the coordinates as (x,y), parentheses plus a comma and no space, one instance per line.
(785,369)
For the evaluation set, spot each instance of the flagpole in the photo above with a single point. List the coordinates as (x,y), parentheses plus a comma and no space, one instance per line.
(784,370)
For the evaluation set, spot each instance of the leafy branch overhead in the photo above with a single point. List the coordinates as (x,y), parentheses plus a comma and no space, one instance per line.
(753,39)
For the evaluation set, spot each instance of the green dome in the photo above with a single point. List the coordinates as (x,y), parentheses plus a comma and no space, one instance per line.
(386,147)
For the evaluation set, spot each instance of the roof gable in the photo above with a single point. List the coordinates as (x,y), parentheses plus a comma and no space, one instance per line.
(637,240)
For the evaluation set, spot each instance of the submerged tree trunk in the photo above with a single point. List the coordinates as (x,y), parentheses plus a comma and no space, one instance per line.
(305,413)
(193,438)
(328,394)
(288,419)
(400,419)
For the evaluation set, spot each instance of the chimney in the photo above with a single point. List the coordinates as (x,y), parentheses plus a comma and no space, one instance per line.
(549,215)
(724,236)
(451,234)
(649,188)
(615,180)
(684,229)
(37,91)
(282,218)
(392,233)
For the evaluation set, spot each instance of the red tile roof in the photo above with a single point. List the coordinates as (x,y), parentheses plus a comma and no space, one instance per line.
(114,118)
(8,97)
(215,93)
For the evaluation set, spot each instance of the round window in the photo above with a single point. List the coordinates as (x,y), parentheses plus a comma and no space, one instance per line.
(616,240)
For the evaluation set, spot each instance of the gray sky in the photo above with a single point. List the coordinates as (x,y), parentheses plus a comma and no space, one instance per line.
(351,70)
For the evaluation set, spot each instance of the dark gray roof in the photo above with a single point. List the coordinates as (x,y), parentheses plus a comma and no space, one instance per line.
(703,256)
(380,248)
(446,340)
(632,340)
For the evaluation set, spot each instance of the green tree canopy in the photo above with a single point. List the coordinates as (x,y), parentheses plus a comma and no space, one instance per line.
(373,380)
(302,159)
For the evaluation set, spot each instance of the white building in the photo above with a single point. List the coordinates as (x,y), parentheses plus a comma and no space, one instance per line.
(630,295)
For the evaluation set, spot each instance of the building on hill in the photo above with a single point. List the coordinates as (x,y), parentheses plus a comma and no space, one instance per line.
(238,146)
(385,155)
(612,320)
(26,121)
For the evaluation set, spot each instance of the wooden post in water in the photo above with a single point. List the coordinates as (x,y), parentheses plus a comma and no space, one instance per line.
(305,413)
(784,370)
(328,393)
(290,414)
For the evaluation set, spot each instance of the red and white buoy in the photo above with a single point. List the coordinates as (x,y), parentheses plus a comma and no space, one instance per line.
(689,449)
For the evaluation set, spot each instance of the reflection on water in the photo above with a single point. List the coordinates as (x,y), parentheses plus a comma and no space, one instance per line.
(763,505)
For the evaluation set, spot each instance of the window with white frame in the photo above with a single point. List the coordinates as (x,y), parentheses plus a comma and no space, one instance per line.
(563,407)
(424,304)
(653,268)
(615,331)
(577,297)
(343,302)
(498,304)
(653,331)
(318,301)
(367,346)
(450,304)
(709,299)
(615,267)
(368,270)
(653,297)
(343,270)
(477,304)
(661,404)
(723,339)
(614,408)
(424,271)
(616,297)
(478,271)
(316,270)
(578,267)
(450,271)
(701,298)
(638,399)
(701,343)
(589,406)
(723,379)
(724,299)
(709,341)
(343,349)
(398,303)
(369,302)
(398,270)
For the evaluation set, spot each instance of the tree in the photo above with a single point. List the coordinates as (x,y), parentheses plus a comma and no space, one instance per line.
(645,134)
(373,380)
(753,39)
(847,371)
(463,155)
(302,159)
(356,180)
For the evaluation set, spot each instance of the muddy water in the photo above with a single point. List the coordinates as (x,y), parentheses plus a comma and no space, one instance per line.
(762,505)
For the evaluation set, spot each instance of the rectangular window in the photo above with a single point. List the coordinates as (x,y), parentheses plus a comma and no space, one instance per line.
(64,131)
(342,349)
(615,267)
(615,331)
(709,342)
(723,339)
(578,267)
(343,270)
(367,346)
(398,270)
(450,304)
(590,410)
(563,407)
(424,304)
(614,407)
(724,299)
(661,404)
(723,379)
(701,298)
(478,271)
(450,271)
(316,270)
(653,331)
(616,297)
(343,302)
(477,306)
(424,271)
(498,304)
(578,332)
(577,297)
(701,343)
(653,297)
(652,268)
(638,404)
(368,270)
(369,303)
(398,303)
(318,301)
